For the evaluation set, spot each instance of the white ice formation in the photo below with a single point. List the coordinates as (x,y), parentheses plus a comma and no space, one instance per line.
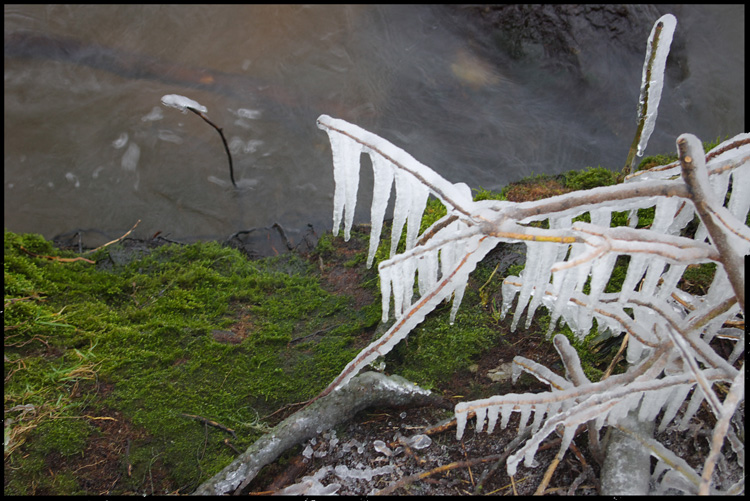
(182,103)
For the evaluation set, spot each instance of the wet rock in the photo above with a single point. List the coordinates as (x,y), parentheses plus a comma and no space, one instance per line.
(558,34)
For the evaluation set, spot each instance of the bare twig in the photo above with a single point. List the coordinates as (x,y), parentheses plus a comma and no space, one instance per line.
(57,258)
(211,423)
(115,240)
(223,140)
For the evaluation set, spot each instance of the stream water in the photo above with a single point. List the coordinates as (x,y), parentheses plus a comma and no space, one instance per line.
(88,145)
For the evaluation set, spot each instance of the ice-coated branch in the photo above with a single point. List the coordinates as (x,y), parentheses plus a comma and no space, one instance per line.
(184,104)
(391,165)
(621,196)
(624,240)
(665,455)
(400,159)
(728,407)
(652,83)
(713,215)
(668,330)
(414,314)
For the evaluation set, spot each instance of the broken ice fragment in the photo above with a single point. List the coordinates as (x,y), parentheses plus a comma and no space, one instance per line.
(382,448)
(419,441)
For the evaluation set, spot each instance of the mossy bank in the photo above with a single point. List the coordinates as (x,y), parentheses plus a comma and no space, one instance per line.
(148,369)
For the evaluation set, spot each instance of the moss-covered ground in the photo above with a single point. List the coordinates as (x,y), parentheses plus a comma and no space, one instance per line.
(174,330)
(118,372)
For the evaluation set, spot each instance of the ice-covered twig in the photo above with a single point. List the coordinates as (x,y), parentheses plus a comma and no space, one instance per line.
(414,315)
(184,104)
(663,454)
(728,407)
(651,85)
(731,249)
(624,240)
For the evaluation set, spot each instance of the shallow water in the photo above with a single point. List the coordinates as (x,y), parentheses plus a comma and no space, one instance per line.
(91,147)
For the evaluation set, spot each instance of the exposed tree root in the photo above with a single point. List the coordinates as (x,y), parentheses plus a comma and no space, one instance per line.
(371,389)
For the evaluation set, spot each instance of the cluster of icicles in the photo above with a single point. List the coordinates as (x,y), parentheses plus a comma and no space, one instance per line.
(452,247)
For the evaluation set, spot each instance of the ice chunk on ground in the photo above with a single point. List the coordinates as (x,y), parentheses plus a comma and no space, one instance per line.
(419,441)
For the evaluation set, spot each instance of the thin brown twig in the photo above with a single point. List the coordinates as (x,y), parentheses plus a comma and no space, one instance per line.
(56,258)
(440,469)
(211,423)
(113,241)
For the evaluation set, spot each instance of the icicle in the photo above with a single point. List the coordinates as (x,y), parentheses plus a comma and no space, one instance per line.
(529,273)
(483,246)
(685,214)
(382,171)
(427,269)
(458,296)
(346,154)
(408,272)
(411,197)
(652,403)
(398,282)
(678,397)
(539,412)
(492,413)
(568,281)
(601,216)
(506,411)
(509,291)
(664,213)
(525,415)
(739,201)
(692,408)
(601,271)
(385,289)
(653,274)
(461,417)
(549,256)
(481,415)
(671,277)
(633,277)
(720,184)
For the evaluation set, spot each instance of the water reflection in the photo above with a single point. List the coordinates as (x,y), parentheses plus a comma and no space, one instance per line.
(88,145)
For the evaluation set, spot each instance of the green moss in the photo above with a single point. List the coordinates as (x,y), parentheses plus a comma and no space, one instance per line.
(436,350)
(485,194)
(146,326)
(66,437)
(697,278)
(589,178)
(652,161)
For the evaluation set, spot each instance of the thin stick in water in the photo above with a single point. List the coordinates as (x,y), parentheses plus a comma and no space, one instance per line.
(223,139)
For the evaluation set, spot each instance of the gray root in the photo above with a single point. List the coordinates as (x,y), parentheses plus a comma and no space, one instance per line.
(365,390)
